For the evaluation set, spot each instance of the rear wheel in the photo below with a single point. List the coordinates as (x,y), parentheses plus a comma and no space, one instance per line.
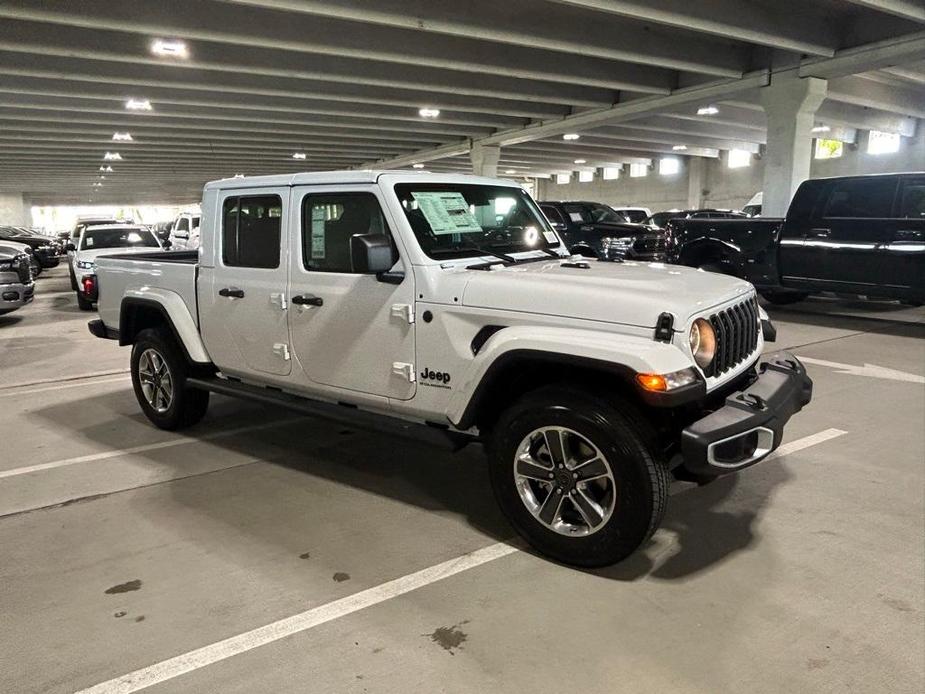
(784,298)
(578,475)
(159,373)
(36,267)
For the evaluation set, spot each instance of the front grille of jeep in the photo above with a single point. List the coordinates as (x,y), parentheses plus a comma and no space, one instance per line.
(737,329)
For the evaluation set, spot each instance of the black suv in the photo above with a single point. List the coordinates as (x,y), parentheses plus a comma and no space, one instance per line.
(47,251)
(595,230)
(661,219)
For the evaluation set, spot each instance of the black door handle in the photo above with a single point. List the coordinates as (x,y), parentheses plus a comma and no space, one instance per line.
(820,233)
(232,293)
(308,300)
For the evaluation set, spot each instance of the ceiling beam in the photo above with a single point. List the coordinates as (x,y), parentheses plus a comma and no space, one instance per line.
(787,24)
(860,91)
(286,32)
(871,56)
(521,23)
(907,9)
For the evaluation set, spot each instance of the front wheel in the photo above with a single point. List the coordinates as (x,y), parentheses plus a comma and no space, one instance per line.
(159,374)
(578,475)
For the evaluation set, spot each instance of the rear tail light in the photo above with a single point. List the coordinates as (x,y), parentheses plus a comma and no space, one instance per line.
(89,284)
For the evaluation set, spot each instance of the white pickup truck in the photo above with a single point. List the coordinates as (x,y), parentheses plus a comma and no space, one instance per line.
(443,308)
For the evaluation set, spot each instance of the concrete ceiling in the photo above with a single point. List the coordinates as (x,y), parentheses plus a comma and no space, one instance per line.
(342,81)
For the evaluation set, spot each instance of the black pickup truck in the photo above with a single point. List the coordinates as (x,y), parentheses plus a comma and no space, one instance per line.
(598,231)
(857,235)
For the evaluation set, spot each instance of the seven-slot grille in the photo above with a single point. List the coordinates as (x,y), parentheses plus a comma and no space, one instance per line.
(737,329)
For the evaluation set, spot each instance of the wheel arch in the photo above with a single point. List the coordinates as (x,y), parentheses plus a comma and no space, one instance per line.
(704,251)
(138,313)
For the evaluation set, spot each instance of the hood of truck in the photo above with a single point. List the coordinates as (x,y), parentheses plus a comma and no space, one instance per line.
(628,293)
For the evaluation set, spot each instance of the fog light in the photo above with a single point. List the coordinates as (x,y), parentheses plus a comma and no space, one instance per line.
(10,296)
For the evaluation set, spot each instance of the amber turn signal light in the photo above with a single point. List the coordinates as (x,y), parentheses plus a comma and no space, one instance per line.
(653,382)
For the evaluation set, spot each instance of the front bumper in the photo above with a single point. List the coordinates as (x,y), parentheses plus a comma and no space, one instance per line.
(15,295)
(751,423)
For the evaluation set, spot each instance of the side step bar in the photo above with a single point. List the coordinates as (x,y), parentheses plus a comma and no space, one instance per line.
(435,434)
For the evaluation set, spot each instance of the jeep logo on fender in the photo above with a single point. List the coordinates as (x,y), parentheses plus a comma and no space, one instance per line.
(437,379)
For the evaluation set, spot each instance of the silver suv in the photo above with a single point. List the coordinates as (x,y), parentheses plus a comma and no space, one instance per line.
(16,285)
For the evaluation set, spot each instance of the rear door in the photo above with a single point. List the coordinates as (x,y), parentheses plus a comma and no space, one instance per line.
(904,255)
(854,226)
(242,300)
(349,331)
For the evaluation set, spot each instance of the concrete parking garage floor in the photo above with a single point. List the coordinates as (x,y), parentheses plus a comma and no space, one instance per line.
(123,547)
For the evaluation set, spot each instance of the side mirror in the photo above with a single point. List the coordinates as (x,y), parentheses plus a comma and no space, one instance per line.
(69,247)
(371,253)
(166,243)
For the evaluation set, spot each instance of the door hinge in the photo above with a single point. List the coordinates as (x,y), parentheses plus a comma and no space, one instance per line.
(405,311)
(279,299)
(404,370)
(281,349)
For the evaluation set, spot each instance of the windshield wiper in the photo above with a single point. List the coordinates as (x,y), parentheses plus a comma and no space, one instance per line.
(478,249)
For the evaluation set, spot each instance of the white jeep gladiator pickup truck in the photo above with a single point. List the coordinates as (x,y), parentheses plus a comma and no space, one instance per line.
(443,308)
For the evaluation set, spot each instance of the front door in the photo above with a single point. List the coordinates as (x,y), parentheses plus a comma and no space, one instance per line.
(242,300)
(349,331)
(904,255)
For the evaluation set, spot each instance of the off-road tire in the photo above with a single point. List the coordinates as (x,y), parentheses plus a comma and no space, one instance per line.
(188,405)
(624,437)
(84,304)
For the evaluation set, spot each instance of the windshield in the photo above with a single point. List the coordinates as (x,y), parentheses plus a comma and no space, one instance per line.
(118,238)
(593,213)
(452,220)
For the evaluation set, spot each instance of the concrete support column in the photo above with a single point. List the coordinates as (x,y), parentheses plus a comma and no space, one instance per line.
(695,171)
(790,103)
(13,210)
(485,160)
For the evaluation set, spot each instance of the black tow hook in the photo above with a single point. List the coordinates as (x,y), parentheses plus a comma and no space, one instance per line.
(755,402)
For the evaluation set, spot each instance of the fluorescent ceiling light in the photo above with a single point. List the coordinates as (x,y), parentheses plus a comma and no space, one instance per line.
(571,136)
(122,137)
(679,148)
(239,175)
(707,111)
(112,156)
(429,112)
(821,129)
(298,155)
(169,48)
(138,105)
(581,161)
(510,171)
(107,169)
(417,166)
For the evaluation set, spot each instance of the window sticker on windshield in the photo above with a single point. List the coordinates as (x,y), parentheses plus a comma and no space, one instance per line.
(88,241)
(317,233)
(575,217)
(551,237)
(447,212)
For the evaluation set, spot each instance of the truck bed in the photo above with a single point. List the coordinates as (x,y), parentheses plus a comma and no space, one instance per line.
(136,275)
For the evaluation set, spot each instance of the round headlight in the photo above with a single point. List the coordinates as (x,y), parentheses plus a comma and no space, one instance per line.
(703,342)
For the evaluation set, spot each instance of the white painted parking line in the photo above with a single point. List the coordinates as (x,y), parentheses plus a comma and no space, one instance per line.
(261,636)
(63,379)
(869,370)
(806,442)
(106,455)
(121,379)
(213,653)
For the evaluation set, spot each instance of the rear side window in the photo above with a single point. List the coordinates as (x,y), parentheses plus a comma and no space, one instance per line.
(329,221)
(251,231)
(552,214)
(912,202)
(861,198)
(183,224)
